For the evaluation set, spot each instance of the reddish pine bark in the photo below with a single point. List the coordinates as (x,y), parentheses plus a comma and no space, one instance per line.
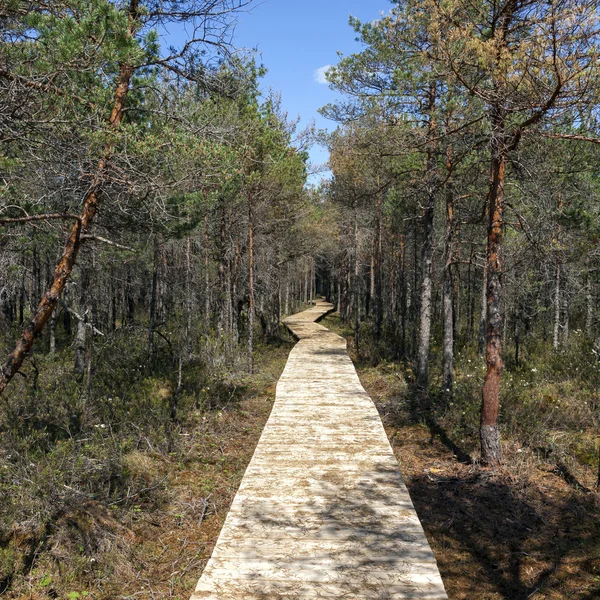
(490,439)
(82,225)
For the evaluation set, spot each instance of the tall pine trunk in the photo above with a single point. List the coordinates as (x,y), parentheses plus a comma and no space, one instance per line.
(251,309)
(154,298)
(425,302)
(490,406)
(483,313)
(589,303)
(188,297)
(206,278)
(447,300)
(556,330)
(377,283)
(356,285)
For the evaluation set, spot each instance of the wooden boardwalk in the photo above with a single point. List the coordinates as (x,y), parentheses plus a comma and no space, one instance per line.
(322,511)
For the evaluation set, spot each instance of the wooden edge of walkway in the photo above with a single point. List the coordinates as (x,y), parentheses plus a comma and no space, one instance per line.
(322,510)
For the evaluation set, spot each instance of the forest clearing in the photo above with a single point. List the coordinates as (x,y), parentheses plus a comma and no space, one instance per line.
(162,218)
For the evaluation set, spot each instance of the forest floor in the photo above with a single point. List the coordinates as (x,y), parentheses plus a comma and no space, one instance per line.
(529,530)
(157,547)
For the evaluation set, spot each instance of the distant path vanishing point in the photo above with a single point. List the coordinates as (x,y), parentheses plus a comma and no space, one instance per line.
(322,511)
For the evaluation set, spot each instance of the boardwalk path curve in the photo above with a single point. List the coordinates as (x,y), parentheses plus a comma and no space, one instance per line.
(322,511)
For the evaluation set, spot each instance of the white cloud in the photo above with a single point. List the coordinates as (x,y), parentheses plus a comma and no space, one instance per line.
(320,74)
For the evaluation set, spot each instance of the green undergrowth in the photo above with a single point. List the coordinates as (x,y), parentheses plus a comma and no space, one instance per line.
(92,475)
(550,403)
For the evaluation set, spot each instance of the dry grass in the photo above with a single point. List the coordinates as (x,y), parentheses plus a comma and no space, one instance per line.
(528,531)
(154,544)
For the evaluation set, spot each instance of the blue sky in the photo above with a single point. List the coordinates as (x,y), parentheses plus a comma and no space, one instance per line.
(294,39)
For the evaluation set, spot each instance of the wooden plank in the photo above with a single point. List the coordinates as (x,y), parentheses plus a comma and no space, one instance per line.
(322,510)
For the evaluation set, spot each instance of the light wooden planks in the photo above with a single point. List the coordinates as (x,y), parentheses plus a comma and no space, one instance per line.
(322,511)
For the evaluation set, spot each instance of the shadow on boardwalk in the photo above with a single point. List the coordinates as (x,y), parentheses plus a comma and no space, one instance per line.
(322,510)
(352,540)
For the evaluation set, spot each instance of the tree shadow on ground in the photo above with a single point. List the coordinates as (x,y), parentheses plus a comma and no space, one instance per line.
(497,535)
(494,537)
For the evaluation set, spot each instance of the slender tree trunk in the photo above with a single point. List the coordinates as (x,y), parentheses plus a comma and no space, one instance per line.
(154,298)
(188,297)
(80,346)
(287,296)
(557,278)
(402,284)
(223,284)
(469,319)
(589,303)
(22,300)
(53,334)
(517,335)
(234,286)
(250,288)
(90,362)
(490,408)
(66,314)
(425,302)
(376,281)
(206,278)
(483,314)
(356,286)
(371,293)
(82,224)
(556,332)
(566,331)
(447,300)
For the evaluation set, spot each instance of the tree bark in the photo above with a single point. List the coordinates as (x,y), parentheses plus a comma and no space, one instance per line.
(483,314)
(447,300)
(206,278)
(555,336)
(376,282)
(251,309)
(425,302)
(80,345)
(153,299)
(566,331)
(371,293)
(589,303)
(234,286)
(356,285)
(53,334)
(402,285)
(490,408)
(188,297)
(91,201)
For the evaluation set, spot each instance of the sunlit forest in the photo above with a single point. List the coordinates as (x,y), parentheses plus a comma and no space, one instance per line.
(159,220)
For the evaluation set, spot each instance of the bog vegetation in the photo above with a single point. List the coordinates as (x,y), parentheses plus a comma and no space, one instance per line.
(156,224)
